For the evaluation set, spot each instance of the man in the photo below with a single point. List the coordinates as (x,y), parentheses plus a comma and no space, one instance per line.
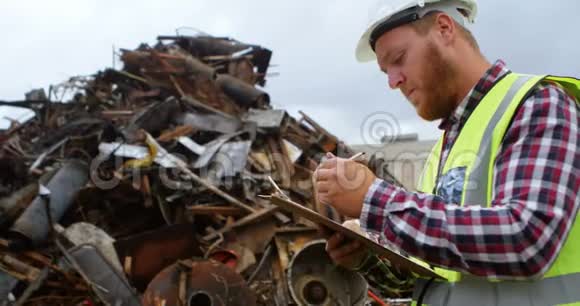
(497,204)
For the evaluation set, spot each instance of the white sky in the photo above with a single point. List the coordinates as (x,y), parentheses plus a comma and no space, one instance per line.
(46,42)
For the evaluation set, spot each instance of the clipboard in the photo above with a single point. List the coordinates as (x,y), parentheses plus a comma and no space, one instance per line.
(404,263)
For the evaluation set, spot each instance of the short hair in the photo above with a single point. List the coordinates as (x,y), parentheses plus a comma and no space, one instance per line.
(423,25)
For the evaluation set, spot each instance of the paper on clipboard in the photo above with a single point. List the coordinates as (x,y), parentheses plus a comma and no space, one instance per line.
(405,264)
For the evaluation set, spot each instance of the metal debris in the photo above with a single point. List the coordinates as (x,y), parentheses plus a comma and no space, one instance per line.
(36,221)
(314,280)
(200,283)
(127,186)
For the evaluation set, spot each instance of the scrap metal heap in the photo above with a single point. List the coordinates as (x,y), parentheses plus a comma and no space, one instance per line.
(140,186)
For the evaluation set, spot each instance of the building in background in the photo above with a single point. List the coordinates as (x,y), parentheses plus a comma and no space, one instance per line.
(403,156)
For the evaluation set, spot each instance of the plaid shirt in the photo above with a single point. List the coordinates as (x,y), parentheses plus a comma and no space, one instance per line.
(535,200)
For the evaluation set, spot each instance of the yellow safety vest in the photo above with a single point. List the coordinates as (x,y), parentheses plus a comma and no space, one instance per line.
(476,148)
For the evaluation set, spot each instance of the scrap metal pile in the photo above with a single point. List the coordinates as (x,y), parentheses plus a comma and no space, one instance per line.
(140,186)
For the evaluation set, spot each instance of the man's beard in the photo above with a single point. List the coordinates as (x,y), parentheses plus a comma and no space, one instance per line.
(438,86)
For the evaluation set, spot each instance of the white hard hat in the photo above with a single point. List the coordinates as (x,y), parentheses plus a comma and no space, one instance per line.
(393,13)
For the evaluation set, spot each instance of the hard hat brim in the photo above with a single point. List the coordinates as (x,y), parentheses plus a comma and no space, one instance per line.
(364,51)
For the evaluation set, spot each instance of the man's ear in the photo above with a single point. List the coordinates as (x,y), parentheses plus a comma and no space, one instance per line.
(445,28)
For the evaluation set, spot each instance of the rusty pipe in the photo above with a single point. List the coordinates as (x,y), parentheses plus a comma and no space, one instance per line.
(242,93)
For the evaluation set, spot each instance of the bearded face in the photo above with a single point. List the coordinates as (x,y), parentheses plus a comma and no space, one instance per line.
(416,65)
(436,98)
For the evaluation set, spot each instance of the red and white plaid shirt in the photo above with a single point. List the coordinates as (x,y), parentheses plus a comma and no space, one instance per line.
(535,201)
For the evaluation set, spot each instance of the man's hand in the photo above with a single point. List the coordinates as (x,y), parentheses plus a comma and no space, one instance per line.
(343,183)
(347,254)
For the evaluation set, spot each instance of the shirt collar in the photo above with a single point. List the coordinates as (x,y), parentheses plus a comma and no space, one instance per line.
(467,105)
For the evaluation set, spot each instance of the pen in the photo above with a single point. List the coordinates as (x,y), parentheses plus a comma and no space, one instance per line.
(357,155)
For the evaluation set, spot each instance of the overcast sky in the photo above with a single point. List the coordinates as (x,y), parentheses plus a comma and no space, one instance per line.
(46,42)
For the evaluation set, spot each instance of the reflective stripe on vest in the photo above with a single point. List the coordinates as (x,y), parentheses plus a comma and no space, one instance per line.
(475,148)
(478,291)
(480,191)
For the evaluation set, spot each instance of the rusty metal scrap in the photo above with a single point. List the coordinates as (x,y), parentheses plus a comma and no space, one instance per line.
(148,253)
(128,185)
(36,221)
(107,282)
(198,282)
(314,280)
